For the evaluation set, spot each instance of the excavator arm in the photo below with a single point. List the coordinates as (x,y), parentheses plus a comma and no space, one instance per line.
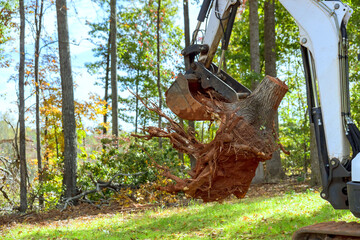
(324,46)
(203,74)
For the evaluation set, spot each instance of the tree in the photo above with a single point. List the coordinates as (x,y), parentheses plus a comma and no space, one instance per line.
(113,43)
(101,31)
(186,30)
(294,130)
(273,166)
(187,66)
(239,55)
(314,158)
(23,168)
(138,56)
(106,94)
(68,109)
(6,14)
(158,82)
(255,62)
(254,38)
(38,14)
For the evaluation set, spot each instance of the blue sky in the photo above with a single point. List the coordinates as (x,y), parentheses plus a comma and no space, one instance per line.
(86,10)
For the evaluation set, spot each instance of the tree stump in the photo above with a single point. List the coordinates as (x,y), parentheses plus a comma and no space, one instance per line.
(245,137)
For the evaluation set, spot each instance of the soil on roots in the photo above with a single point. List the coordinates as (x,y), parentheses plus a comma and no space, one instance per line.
(245,137)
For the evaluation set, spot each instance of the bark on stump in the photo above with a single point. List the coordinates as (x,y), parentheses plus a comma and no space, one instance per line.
(245,137)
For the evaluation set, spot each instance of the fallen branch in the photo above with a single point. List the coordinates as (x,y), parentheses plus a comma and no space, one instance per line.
(5,195)
(4,170)
(99,186)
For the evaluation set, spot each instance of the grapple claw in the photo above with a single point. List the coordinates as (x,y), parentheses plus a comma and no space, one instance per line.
(181,102)
(182,97)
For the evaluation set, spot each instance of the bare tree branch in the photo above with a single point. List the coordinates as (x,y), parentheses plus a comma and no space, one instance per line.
(4,170)
(99,186)
(5,195)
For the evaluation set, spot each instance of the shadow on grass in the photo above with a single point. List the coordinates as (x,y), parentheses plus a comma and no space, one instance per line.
(242,220)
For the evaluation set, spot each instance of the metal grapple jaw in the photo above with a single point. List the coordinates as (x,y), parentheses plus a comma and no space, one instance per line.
(180,97)
(181,101)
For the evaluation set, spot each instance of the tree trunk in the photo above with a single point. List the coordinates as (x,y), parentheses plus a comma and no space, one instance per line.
(307,161)
(23,167)
(46,157)
(255,64)
(56,138)
(191,129)
(314,159)
(269,37)
(106,97)
(245,137)
(181,154)
(136,94)
(114,93)
(186,30)
(68,109)
(254,39)
(158,66)
(274,169)
(187,65)
(38,26)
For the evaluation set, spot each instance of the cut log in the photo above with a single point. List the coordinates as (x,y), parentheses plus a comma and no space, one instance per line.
(245,137)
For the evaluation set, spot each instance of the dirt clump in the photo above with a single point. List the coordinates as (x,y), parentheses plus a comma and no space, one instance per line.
(245,137)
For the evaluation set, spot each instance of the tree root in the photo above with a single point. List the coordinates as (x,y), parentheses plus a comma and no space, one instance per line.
(228,163)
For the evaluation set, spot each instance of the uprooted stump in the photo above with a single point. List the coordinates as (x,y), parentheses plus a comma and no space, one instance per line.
(245,137)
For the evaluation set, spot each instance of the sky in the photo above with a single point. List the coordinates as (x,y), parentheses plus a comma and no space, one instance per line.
(80,52)
(80,11)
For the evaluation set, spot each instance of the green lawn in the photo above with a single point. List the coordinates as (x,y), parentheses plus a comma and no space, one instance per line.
(259,218)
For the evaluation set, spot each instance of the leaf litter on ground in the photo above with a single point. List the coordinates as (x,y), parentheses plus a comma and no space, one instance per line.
(87,211)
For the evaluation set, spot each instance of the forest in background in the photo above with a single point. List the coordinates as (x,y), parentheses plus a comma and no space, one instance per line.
(148,57)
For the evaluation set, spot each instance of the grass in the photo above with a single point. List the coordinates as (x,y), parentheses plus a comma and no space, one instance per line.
(259,218)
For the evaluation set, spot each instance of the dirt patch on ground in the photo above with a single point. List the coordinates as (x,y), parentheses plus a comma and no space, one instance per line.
(70,213)
(278,189)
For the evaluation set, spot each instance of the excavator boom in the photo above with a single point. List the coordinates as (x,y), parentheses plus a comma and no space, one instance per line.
(324,47)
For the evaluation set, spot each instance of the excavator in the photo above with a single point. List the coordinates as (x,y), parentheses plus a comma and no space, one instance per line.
(324,47)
